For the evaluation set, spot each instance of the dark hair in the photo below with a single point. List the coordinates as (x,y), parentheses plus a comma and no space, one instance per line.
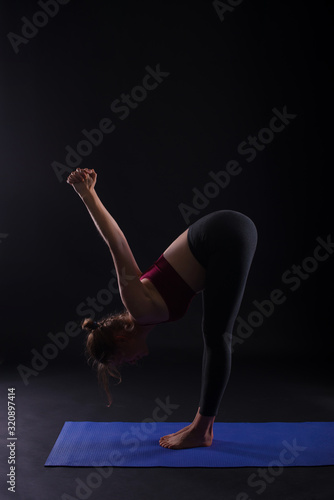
(104,343)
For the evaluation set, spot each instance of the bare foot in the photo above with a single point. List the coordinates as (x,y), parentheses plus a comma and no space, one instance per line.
(188,437)
(190,426)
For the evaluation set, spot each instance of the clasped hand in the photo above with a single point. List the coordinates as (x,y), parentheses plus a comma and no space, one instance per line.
(82,180)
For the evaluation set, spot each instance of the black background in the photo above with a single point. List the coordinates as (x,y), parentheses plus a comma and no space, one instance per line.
(225,77)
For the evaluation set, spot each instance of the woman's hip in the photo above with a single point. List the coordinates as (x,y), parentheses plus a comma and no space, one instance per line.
(226,232)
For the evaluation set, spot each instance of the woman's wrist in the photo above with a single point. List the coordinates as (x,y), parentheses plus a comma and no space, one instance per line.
(88,195)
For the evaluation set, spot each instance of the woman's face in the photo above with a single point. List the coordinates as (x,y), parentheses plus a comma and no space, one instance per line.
(134,349)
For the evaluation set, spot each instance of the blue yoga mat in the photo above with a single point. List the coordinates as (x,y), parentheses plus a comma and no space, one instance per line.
(133,444)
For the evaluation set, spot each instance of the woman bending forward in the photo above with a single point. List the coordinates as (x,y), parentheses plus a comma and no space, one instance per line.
(213,256)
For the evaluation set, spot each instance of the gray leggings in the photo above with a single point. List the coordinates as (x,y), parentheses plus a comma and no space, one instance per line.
(224,242)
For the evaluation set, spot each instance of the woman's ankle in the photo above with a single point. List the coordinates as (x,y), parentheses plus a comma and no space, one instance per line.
(202,423)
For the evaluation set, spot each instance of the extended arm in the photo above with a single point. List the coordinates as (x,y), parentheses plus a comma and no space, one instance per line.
(133,293)
(110,232)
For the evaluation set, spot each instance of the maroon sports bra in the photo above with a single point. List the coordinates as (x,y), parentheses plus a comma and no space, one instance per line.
(174,290)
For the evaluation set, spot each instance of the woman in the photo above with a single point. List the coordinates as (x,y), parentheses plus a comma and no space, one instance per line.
(212,256)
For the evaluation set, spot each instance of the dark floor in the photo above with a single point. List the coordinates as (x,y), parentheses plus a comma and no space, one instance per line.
(257,391)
